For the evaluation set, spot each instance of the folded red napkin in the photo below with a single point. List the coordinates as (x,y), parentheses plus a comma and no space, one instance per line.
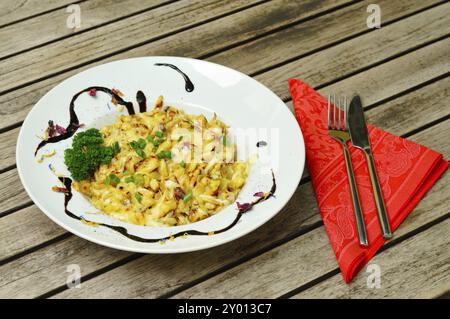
(406,171)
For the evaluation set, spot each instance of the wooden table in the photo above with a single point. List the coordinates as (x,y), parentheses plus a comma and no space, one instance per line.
(401,70)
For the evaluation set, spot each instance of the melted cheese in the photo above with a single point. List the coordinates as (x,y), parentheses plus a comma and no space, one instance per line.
(203,164)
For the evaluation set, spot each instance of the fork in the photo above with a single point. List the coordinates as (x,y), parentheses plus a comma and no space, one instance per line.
(338,130)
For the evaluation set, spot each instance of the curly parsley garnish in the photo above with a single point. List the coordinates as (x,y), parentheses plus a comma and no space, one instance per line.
(88,152)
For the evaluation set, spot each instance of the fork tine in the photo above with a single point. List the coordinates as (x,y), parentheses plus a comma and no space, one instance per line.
(339,115)
(329,111)
(345,113)
(334,110)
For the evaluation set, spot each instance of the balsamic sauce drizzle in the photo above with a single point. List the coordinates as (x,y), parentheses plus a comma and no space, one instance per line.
(142,101)
(73,126)
(189,85)
(74,123)
(261,143)
(123,231)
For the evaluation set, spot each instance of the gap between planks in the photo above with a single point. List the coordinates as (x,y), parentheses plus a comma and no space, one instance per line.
(332,287)
(88,58)
(147,53)
(62,16)
(47,10)
(264,78)
(108,268)
(387,97)
(17,114)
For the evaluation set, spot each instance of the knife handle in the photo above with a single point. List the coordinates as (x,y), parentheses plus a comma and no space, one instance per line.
(378,196)
(362,235)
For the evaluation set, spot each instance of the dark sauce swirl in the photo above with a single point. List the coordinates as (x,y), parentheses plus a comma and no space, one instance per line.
(261,144)
(74,122)
(123,231)
(189,86)
(142,101)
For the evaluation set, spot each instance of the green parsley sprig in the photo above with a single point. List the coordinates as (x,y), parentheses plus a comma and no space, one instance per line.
(88,152)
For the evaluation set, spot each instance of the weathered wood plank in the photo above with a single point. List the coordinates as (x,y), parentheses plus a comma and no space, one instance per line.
(322,67)
(350,56)
(401,74)
(53,264)
(8,141)
(434,108)
(14,10)
(15,105)
(423,106)
(407,75)
(311,35)
(417,268)
(52,26)
(12,193)
(25,229)
(73,51)
(375,109)
(307,257)
(433,105)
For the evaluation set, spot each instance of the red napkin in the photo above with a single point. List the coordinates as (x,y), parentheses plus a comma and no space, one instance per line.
(406,171)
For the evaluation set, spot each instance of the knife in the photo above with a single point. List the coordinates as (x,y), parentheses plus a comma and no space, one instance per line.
(360,139)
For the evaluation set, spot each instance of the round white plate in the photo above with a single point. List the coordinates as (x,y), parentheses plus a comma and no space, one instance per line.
(241,102)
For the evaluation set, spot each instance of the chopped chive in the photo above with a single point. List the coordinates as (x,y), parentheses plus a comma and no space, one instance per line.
(224,141)
(151,139)
(138,197)
(129,179)
(160,134)
(140,153)
(183,163)
(115,148)
(139,146)
(164,154)
(187,197)
(141,143)
(180,138)
(112,180)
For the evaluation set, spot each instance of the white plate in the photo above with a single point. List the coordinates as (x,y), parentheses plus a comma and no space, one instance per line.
(238,100)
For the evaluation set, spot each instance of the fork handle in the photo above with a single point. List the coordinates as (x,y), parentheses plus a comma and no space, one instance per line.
(362,235)
(378,196)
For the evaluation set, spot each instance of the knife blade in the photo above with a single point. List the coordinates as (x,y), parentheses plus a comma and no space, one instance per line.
(360,139)
(357,124)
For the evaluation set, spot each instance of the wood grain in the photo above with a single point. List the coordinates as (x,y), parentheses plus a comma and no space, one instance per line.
(12,194)
(434,108)
(15,105)
(124,34)
(25,229)
(359,53)
(335,52)
(433,95)
(423,263)
(400,74)
(8,141)
(139,272)
(52,266)
(318,69)
(52,26)
(294,42)
(14,10)
(308,257)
